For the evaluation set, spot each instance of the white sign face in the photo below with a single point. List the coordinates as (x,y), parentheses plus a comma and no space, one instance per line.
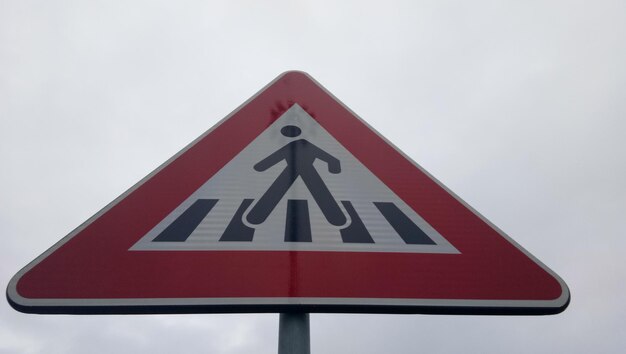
(242,208)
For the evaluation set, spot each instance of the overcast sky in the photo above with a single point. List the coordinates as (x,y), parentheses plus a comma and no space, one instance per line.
(519,108)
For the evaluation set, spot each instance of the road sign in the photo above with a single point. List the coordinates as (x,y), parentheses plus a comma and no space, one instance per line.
(291,203)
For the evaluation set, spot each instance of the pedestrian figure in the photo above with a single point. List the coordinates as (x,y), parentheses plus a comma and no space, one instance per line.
(299,155)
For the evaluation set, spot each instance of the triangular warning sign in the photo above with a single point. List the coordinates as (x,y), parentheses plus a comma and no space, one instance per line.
(291,202)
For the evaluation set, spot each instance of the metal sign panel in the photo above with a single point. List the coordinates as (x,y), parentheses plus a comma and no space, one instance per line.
(292,202)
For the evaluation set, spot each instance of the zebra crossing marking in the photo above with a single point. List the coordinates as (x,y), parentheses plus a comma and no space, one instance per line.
(297,226)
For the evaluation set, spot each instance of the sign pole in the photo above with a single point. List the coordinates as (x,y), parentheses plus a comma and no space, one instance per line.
(294,333)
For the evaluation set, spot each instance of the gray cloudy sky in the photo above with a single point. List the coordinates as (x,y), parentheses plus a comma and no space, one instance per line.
(518,107)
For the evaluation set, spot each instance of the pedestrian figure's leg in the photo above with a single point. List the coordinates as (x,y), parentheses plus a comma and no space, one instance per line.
(323,198)
(272,196)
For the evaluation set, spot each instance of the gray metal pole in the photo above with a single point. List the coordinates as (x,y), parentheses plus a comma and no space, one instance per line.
(294,333)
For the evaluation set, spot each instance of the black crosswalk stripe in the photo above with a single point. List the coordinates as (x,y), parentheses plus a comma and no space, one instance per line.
(183,226)
(356,231)
(405,227)
(236,229)
(297,225)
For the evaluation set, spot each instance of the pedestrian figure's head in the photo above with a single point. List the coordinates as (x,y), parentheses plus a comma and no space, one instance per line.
(290,131)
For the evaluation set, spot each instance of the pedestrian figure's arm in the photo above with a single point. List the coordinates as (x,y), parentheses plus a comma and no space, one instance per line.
(334,166)
(271,160)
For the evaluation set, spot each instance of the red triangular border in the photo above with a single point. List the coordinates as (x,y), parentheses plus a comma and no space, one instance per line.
(92,271)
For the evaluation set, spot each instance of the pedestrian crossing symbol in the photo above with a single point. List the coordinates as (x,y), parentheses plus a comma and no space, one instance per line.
(290,203)
(294,188)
